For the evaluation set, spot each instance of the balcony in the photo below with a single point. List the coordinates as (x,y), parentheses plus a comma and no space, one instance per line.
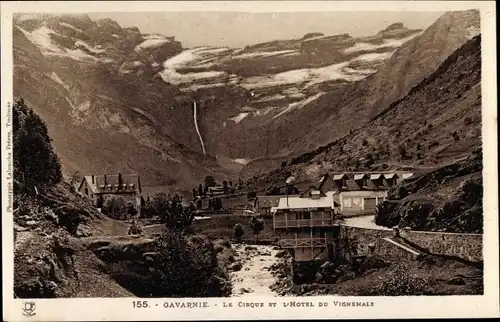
(298,223)
(303,242)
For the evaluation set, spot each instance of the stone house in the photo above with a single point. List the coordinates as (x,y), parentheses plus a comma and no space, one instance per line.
(100,188)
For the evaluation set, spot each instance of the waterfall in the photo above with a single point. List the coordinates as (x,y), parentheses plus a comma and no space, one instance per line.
(197,130)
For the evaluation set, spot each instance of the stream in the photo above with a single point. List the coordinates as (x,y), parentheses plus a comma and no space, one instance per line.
(254,278)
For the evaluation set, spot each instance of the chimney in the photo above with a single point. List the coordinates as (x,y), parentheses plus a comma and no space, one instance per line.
(120,180)
(93,182)
(105,180)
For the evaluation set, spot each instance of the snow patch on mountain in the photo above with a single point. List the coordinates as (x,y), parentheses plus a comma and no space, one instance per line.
(191,57)
(151,41)
(472,32)
(41,38)
(300,104)
(195,87)
(58,80)
(265,54)
(172,77)
(272,98)
(310,76)
(67,25)
(241,161)
(387,43)
(238,118)
(96,50)
(374,57)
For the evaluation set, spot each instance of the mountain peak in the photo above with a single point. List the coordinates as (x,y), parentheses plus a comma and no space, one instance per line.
(395,26)
(108,23)
(313,34)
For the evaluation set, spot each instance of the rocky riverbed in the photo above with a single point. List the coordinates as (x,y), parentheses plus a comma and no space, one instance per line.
(252,272)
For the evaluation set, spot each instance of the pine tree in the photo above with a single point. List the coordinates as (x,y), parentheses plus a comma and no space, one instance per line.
(35,162)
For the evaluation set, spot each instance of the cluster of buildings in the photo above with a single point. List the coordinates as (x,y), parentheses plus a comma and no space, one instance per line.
(307,224)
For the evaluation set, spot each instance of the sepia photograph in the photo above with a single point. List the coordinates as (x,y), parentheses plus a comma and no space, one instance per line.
(237,154)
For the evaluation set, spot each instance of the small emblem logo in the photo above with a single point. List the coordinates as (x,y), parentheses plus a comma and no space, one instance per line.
(29,309)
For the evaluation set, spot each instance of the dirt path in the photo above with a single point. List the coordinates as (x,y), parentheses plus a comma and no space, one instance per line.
(254,278)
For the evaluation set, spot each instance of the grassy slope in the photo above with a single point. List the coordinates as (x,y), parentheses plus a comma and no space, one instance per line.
(424,123)
(334,115)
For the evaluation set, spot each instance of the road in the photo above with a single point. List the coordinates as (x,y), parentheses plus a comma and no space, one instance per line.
(363,222)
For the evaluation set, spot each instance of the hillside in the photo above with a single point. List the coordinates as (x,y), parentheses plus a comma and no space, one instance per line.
(435,127)
(115,98)
(336,113)
(65,247)
(91,81)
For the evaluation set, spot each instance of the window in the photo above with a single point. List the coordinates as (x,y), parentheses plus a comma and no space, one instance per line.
(347,202)
(306,215)
(86,191)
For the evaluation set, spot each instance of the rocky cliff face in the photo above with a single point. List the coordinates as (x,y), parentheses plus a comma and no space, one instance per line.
(334,114)
(92,82)
(115,98)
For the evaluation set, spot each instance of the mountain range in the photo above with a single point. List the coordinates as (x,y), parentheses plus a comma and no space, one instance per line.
(117,100)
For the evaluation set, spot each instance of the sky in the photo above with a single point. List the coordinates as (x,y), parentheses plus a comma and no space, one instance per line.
(236,29)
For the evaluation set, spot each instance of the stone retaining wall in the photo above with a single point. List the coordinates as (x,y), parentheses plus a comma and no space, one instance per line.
(464,246)
(364,237)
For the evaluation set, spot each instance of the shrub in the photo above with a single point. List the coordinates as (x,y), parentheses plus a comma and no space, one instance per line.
(402,151)
(400,282)
(35,162)
(257,225)
(170,211)
(188,269)
(115,208)
(364,142)
(238,231)
(467,121)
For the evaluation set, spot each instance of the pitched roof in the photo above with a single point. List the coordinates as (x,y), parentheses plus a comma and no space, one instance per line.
(338,176)
(359,176)
(373,181)
(390,175)
(109,183)
(268,201)
(297,202)
(312,190)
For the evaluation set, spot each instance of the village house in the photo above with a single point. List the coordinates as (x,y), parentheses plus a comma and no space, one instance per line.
(360,193)
(305,224)
(216,190)
(100,188)
(263,203)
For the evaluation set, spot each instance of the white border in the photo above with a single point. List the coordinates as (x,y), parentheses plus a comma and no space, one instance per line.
(385,307)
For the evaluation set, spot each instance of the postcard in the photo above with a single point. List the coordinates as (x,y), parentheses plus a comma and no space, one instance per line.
(206,160)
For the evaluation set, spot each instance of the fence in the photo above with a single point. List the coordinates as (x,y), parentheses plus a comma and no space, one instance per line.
(303,242)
